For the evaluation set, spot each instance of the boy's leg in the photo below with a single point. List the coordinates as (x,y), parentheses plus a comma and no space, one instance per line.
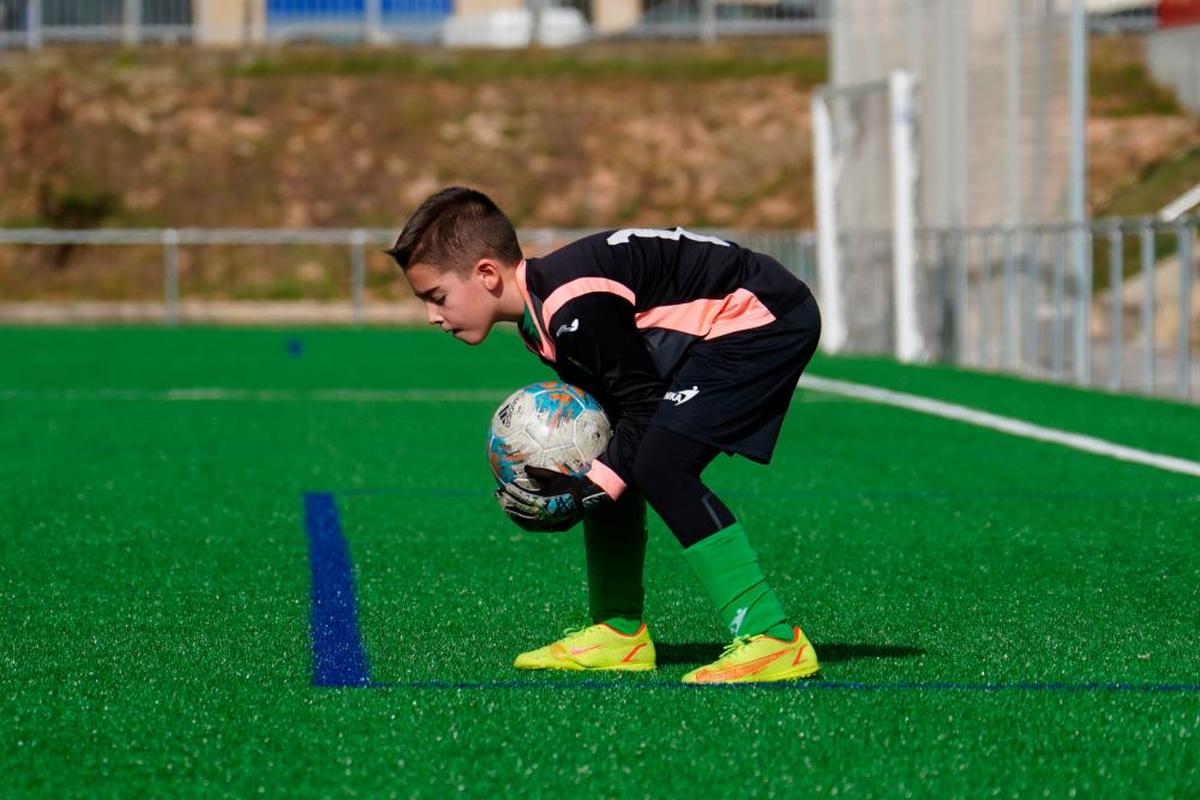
(730,393)
(766,647)
(667,472)
(615,542)
(614,538)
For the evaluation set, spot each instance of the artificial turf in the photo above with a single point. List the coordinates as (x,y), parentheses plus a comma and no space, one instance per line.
(995,616)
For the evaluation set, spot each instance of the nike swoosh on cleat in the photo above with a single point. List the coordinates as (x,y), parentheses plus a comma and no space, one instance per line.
(740,671)
(578,651)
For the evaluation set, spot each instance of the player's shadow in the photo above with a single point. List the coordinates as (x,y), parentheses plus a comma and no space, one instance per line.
(828,652)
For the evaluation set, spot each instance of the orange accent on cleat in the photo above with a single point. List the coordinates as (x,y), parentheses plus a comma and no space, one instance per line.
(633,652)
(760,659)
(596,647)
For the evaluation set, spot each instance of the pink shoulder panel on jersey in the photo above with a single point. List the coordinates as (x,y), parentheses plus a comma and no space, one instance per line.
(579,287)
(709,318)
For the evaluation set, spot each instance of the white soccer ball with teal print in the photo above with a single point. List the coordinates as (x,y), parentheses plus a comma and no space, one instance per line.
(551,425)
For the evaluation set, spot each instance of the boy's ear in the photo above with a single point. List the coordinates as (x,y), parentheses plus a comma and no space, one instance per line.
(488,271)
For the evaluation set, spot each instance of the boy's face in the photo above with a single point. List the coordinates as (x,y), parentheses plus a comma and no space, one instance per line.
(463,306)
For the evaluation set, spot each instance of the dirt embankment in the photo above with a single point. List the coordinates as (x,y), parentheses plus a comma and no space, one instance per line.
(642,134)
(205,140)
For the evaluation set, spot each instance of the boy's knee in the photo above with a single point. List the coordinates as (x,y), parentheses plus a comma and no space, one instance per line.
(670,483)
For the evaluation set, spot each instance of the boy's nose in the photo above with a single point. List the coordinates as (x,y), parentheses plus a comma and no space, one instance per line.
(432,315)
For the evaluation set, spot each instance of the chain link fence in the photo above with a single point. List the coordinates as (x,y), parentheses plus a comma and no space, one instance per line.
(997,140)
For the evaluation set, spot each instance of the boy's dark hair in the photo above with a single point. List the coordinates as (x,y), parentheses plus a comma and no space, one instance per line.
(454,228)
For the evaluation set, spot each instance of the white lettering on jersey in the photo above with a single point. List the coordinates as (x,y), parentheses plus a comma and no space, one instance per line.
(622,236)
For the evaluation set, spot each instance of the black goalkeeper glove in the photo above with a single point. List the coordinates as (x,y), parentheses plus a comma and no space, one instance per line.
(558,503)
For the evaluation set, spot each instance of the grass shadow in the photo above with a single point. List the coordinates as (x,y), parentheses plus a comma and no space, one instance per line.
(828,652)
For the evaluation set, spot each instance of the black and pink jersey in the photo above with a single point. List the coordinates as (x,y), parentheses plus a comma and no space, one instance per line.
(617,313)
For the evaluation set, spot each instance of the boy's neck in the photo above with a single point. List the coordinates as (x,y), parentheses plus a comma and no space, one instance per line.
(512,303)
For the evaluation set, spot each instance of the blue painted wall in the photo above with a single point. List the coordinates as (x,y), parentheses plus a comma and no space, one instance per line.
(314,10)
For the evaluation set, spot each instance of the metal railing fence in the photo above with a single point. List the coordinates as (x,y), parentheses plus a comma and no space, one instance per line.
(1003,299)
(355,253)
(1015,300)
(34,23)
(1010,300)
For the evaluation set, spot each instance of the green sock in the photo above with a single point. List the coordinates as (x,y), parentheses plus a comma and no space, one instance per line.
(626,625)
(728,568)
(614,539)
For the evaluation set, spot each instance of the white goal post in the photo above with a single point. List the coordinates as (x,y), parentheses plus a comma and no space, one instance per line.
(865,183)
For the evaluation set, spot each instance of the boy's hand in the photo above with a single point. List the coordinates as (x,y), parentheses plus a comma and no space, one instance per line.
(558,503)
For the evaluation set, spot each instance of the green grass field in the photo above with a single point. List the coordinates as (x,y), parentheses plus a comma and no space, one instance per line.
(995,616)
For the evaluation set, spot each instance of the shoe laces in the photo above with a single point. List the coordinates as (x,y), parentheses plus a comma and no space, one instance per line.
(570,632)
(737,644)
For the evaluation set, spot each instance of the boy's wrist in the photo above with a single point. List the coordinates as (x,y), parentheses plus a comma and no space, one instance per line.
(559,501)
(589,495)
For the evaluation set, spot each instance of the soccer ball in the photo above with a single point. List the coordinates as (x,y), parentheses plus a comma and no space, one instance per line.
(552,425)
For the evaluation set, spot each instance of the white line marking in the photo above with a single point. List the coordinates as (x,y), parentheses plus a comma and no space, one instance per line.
(1088,444)
(1016,427)
(216,394)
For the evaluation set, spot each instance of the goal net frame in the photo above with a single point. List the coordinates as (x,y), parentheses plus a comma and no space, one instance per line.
(835,233)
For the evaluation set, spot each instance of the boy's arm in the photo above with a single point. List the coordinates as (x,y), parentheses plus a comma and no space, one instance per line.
(593,334)
(596,333)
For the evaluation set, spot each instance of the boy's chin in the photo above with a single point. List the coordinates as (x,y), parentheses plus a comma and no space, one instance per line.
(470,337)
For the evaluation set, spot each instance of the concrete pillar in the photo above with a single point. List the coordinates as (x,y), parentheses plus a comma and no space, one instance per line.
(230,23)
(467,8)
(131,18)
(614,16)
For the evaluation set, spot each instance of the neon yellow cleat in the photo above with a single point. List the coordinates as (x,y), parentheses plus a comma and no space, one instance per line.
(596,647)
(760,659)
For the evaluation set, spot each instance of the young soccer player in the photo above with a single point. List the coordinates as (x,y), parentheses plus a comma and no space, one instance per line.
(693,345)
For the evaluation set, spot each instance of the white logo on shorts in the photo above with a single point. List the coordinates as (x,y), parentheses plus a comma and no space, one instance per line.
(682,396)
(574,326)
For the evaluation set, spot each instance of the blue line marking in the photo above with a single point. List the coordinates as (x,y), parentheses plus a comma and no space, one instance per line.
(806,685)
(338,655)
(339,658)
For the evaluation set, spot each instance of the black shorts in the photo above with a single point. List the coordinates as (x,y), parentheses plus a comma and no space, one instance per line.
(732,392)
